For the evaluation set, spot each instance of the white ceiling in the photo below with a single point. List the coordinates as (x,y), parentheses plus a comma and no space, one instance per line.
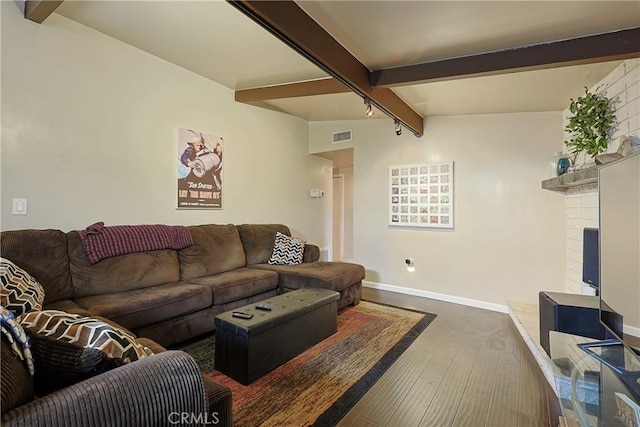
(213,39)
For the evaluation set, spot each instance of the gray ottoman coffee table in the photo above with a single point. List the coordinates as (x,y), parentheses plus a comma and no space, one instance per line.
(246,349)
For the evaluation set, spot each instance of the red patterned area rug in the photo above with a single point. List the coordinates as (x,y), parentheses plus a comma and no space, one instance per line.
(321,385)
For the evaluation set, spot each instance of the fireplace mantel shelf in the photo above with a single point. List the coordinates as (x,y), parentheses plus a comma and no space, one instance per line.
(573,181)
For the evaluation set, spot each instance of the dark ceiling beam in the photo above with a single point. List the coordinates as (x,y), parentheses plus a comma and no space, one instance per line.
(292,90)
(287,21)
(623,44)
(39,10)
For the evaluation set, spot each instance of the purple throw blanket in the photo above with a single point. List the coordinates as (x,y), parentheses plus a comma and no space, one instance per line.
(102,242)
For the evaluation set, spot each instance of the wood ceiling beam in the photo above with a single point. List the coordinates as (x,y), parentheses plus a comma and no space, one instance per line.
(287,21)
(623,44)
(39,10)
(292,90)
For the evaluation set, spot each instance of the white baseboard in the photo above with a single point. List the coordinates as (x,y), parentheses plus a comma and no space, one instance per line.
(440,297)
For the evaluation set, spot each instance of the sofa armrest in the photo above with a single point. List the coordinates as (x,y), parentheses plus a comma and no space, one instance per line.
(156,391)
(218,396)
(311,253)
(220,402)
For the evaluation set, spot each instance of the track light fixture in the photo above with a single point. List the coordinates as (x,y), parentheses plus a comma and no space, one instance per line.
(369,110)
(369,113)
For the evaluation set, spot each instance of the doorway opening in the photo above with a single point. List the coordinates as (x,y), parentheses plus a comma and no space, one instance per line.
(342,203)
(337,249)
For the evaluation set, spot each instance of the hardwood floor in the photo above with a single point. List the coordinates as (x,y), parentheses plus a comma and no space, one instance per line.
(470,367)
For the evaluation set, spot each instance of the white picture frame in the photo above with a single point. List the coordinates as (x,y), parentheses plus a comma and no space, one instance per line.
(421,195)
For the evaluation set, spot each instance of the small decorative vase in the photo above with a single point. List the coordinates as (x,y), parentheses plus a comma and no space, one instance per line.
(558,164)
(553,164)
(563,165)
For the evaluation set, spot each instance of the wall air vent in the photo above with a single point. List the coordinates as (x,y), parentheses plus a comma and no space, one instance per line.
(342,136)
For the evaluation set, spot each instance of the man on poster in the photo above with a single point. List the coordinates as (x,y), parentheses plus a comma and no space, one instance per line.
(199,170)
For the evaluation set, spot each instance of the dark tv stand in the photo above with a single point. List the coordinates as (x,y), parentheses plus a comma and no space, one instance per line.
(571,313)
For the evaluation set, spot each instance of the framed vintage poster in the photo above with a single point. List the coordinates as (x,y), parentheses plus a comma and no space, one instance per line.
(421,195)
(199,170)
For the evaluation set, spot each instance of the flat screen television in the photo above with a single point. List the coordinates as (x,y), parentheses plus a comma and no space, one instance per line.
(619,266)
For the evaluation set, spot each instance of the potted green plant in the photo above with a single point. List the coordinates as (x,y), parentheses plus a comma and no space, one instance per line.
(590,124)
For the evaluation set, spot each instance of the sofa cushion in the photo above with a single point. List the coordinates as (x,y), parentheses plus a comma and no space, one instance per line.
(17,383)
(180,328)
(328,275)
(67,306)
(43,253)
(238,284)
(258,240)
(120,273)
(287,250)
(20,292)
(146,306)
(215,249)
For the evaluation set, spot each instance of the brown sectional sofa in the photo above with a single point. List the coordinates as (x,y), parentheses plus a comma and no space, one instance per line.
(169,296)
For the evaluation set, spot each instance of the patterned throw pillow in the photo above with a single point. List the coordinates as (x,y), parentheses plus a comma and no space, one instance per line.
(287,250)
(86,332)
(68,348)
(20,292)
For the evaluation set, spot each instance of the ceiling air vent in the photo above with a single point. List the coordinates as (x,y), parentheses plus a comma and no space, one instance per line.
(342,136)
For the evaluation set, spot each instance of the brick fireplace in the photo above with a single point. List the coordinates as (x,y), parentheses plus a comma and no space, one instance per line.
(622,86)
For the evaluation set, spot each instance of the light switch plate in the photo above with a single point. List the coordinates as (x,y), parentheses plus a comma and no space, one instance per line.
(19,207)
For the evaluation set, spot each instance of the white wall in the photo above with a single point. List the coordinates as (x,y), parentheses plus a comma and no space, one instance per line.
(89,128)
(508,242)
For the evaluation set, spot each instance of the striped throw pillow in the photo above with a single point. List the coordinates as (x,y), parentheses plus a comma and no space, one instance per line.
(287,250)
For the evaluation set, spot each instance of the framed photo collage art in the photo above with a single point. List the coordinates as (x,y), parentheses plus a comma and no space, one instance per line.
(421,195)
